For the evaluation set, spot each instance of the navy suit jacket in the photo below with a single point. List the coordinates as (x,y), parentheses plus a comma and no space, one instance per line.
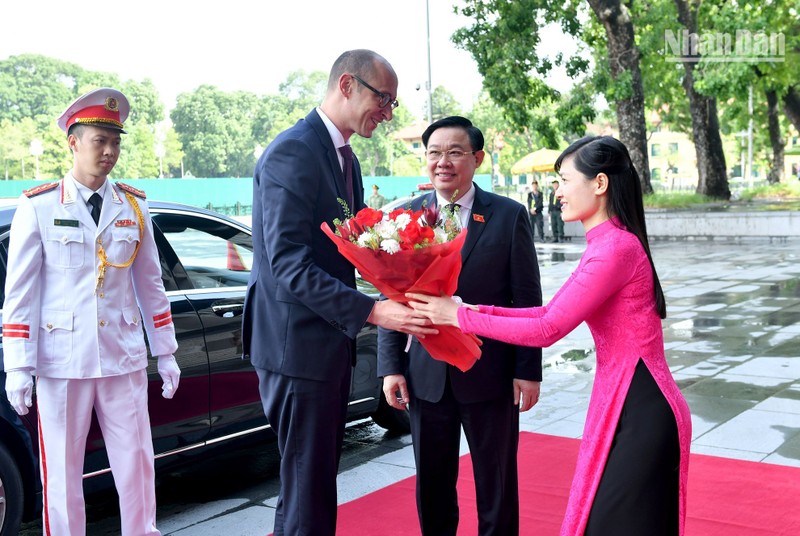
(499,267)
(302,313)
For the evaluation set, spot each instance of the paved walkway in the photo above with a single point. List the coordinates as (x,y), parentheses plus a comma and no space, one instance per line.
(733,342)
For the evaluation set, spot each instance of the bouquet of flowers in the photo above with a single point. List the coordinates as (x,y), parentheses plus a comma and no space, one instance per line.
(411,251)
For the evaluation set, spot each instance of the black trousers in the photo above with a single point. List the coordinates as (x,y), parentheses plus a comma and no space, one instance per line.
(492,431)
(537,224)
(638,493)
(556,225)
(308,417)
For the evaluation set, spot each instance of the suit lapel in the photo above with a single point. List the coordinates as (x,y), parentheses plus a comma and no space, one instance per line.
(332,157)
(478,220)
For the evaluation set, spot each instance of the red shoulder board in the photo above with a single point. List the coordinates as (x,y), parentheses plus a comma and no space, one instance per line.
(42,188)
(131,190)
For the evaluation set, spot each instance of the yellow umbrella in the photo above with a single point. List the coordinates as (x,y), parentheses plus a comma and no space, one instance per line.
(541,160)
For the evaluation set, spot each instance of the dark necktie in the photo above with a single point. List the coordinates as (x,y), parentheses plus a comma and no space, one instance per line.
(97,204)
(347,156)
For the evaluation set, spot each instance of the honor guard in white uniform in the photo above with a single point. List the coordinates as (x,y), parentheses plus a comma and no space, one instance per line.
(84,277)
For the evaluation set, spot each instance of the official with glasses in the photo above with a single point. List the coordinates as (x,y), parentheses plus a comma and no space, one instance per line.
(452,155)
(302,310)
(498,265)
(385,98)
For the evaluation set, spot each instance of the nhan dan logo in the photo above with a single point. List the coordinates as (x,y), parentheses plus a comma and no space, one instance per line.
(742,47)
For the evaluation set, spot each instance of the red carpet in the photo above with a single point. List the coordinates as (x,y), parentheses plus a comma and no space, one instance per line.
(726,497)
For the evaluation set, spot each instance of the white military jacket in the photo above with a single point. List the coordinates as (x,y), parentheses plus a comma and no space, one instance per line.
(55,320)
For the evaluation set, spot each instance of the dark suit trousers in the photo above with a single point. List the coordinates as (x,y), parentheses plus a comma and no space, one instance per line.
(492,432)
(309,418)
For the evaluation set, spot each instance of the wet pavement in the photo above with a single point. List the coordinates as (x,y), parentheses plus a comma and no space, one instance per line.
(733,343)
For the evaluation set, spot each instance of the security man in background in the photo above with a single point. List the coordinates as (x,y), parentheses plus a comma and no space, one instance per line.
(84,276)
(554,208)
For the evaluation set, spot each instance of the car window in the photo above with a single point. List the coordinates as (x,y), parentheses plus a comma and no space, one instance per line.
(213,253)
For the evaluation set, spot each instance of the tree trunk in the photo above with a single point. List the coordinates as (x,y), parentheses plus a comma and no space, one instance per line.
(711,168)
(778,143)
(791,105)
(623,59)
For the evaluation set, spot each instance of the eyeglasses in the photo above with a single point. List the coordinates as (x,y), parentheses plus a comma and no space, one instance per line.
(386,99)
(453,156)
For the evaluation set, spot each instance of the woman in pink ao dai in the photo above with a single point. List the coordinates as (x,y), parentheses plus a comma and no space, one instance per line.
(633,461)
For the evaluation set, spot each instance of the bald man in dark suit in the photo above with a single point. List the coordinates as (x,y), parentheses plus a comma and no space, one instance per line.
(302,312)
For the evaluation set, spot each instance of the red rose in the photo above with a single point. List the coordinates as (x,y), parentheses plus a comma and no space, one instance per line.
(426,233)
(414,234)
(396,212)
(367,217)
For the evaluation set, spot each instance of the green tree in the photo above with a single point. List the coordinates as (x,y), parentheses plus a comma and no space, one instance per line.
(719,85)
(173,153)
(146,105)
(303,91)
(408,165)
(711,166)
(504,40)
(138,157)
(444,104)
(300,93)
(14,148)
(377,153)
(272,118)
(215,130)
(626,89)
(34,86)
(772,82)
(35,90)
(57,158)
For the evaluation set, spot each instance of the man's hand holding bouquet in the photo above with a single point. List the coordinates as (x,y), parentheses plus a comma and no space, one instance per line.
(411,251)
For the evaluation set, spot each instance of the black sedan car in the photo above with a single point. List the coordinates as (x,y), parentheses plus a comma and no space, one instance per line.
(205,259)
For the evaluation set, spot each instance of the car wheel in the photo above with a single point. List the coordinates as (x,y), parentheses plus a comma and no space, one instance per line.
(394,420)
(11,502)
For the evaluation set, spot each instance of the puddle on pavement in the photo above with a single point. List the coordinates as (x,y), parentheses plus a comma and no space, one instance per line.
(717,387)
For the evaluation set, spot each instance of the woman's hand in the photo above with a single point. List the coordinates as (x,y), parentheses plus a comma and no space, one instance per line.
(440,310)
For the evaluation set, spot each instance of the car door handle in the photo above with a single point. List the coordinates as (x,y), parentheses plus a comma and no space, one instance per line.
(227,310)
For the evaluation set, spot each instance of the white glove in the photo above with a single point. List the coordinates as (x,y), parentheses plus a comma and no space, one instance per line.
(19,389)
(170,374)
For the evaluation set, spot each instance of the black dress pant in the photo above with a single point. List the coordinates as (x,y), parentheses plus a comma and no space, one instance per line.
(492,431)
(308,417)
(638,493)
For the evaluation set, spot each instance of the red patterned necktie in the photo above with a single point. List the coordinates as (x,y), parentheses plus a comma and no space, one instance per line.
(347,155)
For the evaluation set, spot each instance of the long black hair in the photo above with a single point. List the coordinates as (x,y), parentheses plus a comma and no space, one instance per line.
(604,154)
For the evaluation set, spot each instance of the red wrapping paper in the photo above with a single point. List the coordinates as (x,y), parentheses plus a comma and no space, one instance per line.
(432,270)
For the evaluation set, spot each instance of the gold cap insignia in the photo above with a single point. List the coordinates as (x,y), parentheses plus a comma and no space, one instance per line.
(112,104)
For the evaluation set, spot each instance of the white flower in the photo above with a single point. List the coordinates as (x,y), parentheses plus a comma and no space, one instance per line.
(402,220)
(364,240)
(385,229)
(439,235)
(390,246)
